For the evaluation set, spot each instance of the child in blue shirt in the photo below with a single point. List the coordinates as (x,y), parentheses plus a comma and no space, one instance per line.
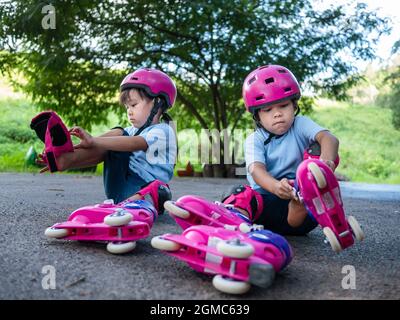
(135,156)
(275,150)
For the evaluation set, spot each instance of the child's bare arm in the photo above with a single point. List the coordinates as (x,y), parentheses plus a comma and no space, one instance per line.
(112,133)
(329,147)
(112,141)
(121,143)
(281,188)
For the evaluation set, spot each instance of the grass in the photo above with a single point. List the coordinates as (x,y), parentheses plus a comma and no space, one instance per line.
(369,145)
(16,137)
(15,134)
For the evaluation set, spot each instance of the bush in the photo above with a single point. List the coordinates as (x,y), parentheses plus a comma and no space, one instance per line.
(15,133)
(378,167)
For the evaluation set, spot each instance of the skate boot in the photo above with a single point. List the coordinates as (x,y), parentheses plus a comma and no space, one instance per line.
(120,225)
(57,140)
(231,214)
(237,260)
(318,188)
(155,192)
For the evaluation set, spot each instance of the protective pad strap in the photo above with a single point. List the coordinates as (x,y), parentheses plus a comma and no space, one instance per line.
(244,197)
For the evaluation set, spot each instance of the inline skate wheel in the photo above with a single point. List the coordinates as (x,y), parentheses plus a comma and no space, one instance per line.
(317,174)
(55,233)
(262,275)
(235,249)
(118,218)
(164,244)
(355,227)
(120,247)
(229,285)
(173,209)
(244,227)
(331,237)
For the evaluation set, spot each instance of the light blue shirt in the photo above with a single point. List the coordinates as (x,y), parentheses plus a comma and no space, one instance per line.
(157,162)
(281,156)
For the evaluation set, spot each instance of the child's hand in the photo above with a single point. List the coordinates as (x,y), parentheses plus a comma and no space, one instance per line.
(87,140)
(284,189)
(41,162)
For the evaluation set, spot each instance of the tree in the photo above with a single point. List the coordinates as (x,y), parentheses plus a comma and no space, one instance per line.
(392,98)
(209,47)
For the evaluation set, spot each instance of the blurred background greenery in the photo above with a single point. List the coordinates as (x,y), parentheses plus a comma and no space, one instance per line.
(208,47)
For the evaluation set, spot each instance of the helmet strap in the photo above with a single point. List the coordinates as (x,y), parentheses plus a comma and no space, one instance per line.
(297,107)
(158,104)
(166,117)
(270,134)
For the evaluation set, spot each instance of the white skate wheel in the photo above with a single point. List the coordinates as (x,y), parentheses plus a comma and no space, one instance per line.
(355,226)
(55,233)
(317,174)
(244,227)
(164,244)
(173,209)
(331,237)
(231,286)
(118,218)
(120,247)
(235,249)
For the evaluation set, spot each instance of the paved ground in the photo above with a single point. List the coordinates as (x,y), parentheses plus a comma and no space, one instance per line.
(30,203)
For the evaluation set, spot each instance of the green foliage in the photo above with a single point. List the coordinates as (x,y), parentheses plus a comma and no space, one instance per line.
(209,47)
(13,127)
(14,134)
(378,167)
(387,81)
(306,105)
(392,99)
(369,145)
(16,137)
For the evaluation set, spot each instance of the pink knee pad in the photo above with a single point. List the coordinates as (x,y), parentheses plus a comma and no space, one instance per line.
(56,138)
(158,191)
(244,197)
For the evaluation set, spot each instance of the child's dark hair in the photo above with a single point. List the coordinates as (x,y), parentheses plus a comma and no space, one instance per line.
(124,95)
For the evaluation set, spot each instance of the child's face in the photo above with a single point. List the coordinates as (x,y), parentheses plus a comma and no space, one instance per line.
(277,118)
(138,108)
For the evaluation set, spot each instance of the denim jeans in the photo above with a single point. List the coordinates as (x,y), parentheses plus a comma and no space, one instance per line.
(119,181)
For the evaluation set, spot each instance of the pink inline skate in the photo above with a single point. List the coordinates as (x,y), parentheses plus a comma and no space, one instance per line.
(236,259)
(56,138)
(194,210)
(319,189)
(121,225)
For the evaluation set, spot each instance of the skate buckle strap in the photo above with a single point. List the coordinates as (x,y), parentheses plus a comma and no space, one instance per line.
(156,192)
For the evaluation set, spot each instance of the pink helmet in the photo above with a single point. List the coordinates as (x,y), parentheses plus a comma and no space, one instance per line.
(268,85)
(154,82)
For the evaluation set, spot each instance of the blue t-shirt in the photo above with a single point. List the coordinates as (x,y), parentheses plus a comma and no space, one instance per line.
(157,162)
(282,155)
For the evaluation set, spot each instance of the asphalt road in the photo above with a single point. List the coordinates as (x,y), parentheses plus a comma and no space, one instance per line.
(30,203)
